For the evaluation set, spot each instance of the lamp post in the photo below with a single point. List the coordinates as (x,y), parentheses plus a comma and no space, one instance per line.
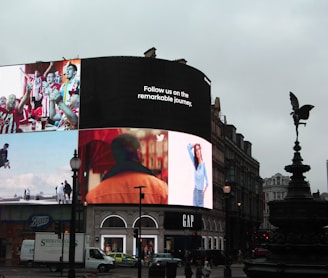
(240,226)
(75,163)
(141,196)
(227,269)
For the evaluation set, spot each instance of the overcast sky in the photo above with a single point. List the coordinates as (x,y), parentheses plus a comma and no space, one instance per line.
(253,51)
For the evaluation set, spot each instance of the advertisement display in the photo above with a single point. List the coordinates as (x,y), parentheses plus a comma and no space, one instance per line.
(145,93)
(134,121)
(39,110)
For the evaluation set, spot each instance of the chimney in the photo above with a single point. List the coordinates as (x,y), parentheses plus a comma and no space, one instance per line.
(150,53)
(181,61)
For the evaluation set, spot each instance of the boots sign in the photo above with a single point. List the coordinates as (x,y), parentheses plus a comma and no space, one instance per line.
(181,221)
(39,222)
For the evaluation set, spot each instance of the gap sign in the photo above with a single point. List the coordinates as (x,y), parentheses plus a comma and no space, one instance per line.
(181,221)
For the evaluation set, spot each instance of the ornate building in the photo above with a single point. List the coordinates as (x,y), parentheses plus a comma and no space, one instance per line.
(241,173)
(274,188)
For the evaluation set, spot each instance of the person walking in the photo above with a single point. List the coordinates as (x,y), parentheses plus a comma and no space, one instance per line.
(207,269)
(199,270)
(67,190)
(188,271)
(60,194)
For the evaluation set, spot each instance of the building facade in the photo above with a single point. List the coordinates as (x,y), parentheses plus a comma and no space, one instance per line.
(241,173)
(274,188)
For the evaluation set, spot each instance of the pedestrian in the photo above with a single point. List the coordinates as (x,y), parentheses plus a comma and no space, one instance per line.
(60,194)
(67,190)
(240,256)
(199,270)
(28,196)
(188,271)
(207,269)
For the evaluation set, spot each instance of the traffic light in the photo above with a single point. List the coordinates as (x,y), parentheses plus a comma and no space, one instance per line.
(58,229)
(195,240)
(135,233)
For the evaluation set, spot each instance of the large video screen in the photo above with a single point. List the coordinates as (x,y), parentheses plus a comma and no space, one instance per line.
(169,155)
(136,122)
(147,93)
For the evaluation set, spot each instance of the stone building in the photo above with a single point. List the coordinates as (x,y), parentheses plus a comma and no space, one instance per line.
(241,173)
(274,188)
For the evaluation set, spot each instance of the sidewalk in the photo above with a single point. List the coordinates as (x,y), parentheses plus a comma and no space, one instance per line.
(236,271)
(217,272)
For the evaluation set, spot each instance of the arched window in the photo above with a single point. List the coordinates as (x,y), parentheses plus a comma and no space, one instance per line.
(209,225)
(203,225)
(146,222)
(220,227)
(215,226)
(113,221)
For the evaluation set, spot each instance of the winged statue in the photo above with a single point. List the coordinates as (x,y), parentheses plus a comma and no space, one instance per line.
(299,113)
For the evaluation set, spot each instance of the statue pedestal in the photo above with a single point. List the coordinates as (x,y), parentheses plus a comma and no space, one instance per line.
(299,246)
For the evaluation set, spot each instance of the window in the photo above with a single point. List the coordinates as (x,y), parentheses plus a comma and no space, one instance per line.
(94,253)
(114,243)
(113,222)
(231,173)
(210,243)
(146,222)
(278,180)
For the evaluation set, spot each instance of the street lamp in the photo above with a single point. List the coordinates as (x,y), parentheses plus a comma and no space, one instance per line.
(75,163)
(227,269)
(240,230)
(141,196)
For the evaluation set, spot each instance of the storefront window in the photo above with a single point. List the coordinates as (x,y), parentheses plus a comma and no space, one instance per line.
(113,244)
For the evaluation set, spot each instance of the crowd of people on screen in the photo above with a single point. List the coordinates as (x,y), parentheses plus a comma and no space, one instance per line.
(46,96)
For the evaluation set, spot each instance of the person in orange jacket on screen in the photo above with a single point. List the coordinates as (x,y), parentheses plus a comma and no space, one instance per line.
(118,184)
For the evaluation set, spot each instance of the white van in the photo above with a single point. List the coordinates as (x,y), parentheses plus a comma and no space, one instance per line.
(27,252)
(47,250)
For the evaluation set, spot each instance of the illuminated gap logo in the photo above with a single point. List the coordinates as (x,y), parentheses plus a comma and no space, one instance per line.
(39,222)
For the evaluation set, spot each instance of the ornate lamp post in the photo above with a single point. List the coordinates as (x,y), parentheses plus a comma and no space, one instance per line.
(227,269)
(75,163)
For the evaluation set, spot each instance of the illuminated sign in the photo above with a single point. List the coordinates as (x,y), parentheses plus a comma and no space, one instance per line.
(164,104)
(181,221)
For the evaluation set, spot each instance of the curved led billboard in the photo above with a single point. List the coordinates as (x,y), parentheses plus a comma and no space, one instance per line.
(136,122)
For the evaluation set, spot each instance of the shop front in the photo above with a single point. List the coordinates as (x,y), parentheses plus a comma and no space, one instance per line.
(182,233)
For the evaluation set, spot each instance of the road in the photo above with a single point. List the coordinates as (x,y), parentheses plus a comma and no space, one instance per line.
(119,272)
